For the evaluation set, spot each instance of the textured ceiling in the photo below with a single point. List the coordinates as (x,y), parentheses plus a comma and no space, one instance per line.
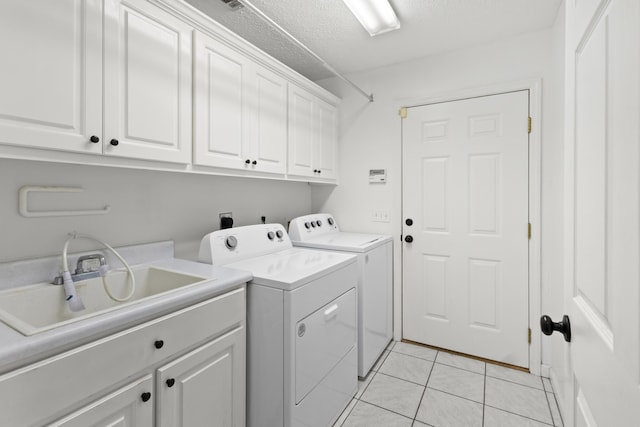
(332,32)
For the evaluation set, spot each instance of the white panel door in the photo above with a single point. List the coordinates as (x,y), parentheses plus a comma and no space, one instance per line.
(205,386)
(325,151)
(51,77)
(465,187)
(302,132)
(131,405)
(269,116)
(602,233)
(220,108)
(147,83)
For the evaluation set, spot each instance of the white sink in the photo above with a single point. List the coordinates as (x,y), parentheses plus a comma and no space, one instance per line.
(42,307)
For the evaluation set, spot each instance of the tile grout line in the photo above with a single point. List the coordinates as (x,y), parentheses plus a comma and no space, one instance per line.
(424,391)
(484,393)
(514,382)
(521,416)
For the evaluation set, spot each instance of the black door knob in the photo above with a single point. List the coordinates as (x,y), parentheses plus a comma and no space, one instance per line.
(548,326)
(408,238)
(94,139)
(114,142)
(170,382)
(145,396)
(158,344)
(409,222)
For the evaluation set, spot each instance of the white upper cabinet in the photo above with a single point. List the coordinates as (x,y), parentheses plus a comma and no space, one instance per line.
(52,92)
(147,83)
(133,81)
(312,136)
(240,116)
(51,77)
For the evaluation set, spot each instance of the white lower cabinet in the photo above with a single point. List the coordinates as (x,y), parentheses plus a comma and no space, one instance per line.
(187,368)
(201,387)
(123,407)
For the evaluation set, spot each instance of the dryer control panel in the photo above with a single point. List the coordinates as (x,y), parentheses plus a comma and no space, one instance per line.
(235,244)
(304,227)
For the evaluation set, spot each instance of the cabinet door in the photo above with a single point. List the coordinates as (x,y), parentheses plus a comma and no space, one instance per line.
(269,122)
(131,405)
(302,132)
(51,77)
(220,108)
(326,143)
(205,386)
(147,83)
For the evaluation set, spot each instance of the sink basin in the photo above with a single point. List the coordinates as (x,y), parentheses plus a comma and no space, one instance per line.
(42,307)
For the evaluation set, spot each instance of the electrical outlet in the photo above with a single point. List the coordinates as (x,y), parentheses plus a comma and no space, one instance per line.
(380,216)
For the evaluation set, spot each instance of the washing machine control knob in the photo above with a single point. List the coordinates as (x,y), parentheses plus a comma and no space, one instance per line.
(279,234)
(271,235)
(307,225)
(330,221)
(231,242)
(319,223)
(313,224)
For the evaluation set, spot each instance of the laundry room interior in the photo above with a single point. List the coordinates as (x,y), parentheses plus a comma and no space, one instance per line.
(195,158)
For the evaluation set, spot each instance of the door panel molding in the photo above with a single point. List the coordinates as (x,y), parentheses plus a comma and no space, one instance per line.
(534,86)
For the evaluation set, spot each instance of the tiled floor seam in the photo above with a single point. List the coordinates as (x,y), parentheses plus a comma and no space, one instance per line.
(484,394)
(387,409)
(458,367)
(411,355)
(455,395)
(522,416)
(403,379)
(415,416)
(515,382)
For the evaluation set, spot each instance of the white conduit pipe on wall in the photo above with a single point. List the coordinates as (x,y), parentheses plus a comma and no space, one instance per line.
(261,15)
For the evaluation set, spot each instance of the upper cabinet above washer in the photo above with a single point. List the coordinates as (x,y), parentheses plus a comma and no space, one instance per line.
(240,116)
(52,92)
(312,136)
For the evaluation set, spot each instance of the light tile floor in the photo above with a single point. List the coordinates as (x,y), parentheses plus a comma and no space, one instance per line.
(415,386)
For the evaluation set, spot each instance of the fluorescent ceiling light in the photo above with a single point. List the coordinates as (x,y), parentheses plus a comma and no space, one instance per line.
(376,16)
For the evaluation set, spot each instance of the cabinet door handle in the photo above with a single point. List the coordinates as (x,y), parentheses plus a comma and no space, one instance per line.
(247,161)
(94,139)
(255,162)
(170,382)
(145,396)
(158,344)
(114,142)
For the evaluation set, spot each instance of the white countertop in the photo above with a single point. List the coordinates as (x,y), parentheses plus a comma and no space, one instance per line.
(17,350)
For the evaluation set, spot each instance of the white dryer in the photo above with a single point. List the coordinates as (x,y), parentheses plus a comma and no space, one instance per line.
(375,278)
(301,325)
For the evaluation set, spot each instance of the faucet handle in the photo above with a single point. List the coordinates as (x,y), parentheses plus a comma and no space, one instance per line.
(88,263)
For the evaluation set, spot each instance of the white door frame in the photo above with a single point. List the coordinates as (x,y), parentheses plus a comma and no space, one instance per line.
(535,111)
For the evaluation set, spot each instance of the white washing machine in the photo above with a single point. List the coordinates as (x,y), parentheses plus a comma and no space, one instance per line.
(301,325)
(375,278)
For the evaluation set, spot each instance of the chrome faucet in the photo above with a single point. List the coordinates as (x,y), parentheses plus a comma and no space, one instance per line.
(87,267)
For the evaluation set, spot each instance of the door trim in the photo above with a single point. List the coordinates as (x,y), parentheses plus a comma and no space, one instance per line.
(535,111)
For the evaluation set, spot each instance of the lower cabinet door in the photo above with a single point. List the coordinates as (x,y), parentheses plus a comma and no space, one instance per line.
(205,386)
(131,405)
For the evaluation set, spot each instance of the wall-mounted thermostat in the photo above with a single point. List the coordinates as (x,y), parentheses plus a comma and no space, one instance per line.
(377,175)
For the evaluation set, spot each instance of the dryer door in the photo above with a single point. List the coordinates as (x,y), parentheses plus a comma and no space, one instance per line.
(322,339)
